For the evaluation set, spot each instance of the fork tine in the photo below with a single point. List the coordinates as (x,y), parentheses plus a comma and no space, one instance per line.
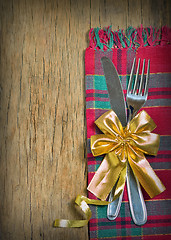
(147,79)
(136,78)
(141,81)
(131,77)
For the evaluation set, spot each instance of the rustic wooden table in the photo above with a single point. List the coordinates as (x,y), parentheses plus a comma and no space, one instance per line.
(42,110)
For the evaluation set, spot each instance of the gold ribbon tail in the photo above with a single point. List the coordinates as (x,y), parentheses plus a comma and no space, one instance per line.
(146,175)
(110,170)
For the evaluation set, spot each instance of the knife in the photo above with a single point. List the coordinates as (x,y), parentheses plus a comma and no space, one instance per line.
(117,103)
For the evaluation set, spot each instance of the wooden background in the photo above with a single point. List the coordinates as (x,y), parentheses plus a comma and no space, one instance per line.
(42,107)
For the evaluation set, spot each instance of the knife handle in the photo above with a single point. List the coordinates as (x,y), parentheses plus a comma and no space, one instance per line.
(136,200)
(114,207)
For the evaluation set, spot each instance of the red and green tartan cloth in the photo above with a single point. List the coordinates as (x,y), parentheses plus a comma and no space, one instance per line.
(121,47)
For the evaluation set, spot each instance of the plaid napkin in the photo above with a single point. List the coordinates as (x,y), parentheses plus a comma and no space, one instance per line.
(121,47)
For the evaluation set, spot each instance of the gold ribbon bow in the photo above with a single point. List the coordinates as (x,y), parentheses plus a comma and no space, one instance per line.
(121,145)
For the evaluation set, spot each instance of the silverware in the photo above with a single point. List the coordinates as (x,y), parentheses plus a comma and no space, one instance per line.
(118,105)
(136,98)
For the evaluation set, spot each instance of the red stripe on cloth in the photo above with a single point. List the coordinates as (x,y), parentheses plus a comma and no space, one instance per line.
(165,152)
(160,159)
(91,195)
(114,56)
(153,221)
(163,175)
(89,91)
(159,93)
(157,237)
(119,61)
(94,228)
(158,217)
(96,91)
(123,60)
(159,97)
(155,54)
(90,176)
(158,221)
(159,90)
(88,99)
(162,118)
(90,113)
(89,155)
(89,61)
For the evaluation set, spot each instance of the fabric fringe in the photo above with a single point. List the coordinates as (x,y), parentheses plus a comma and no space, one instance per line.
(105,39)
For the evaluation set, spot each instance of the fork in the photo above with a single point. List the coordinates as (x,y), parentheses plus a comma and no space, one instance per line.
(136,98)
(137,93)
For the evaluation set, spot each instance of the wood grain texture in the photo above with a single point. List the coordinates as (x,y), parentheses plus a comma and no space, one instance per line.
(42,107)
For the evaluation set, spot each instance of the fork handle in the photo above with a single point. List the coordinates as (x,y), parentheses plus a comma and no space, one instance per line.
(136,200)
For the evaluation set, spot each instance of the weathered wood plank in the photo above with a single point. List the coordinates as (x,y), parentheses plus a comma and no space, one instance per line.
(134,15)
(109,13)
(43,160)
(156,13)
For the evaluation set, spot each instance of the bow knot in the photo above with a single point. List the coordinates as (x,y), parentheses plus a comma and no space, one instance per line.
(124,141)
(122,145)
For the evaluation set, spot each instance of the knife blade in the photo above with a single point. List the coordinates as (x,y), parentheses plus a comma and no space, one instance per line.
(118,104)
(115,91)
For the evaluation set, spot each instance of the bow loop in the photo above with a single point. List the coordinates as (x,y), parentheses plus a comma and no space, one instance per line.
(142,122)
(102,144)
(146,142)
(109,123)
